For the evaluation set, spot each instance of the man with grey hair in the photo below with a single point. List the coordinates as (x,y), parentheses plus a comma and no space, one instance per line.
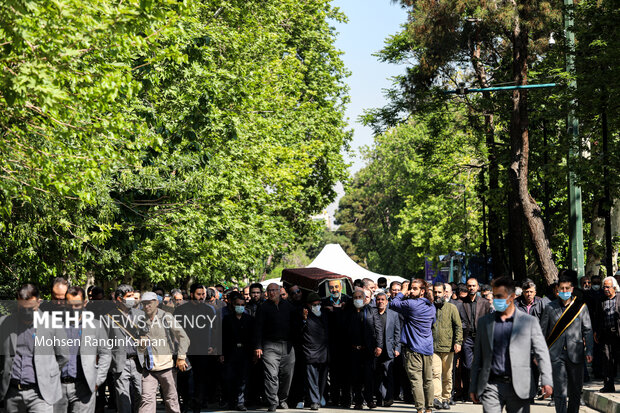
(528,302)
(384,372)
(277,322)
(607,332)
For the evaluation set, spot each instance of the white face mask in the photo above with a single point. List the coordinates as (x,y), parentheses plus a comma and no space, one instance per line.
(130,302)
(316,310)
(596,287)
(358,303)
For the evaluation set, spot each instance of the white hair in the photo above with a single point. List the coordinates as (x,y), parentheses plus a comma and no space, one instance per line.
(614,282)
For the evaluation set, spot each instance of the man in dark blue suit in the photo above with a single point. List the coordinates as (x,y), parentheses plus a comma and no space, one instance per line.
(365,339)
(384,372)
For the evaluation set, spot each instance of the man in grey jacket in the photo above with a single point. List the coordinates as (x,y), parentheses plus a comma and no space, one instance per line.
(501,375)
(566,325)
(31,357)
(89,357)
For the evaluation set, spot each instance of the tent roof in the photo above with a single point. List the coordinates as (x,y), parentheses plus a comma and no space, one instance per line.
(333,258)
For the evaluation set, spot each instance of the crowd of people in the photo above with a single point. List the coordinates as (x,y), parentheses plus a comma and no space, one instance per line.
(427,345)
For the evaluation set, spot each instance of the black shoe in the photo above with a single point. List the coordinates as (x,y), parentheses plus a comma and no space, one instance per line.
(242,408)
(445,406)
(358,406)
(388,403)
(452,402)
(551,403)
(437,404)
(314,406)
(283,406)
(607,389)
(371,405)
(271,409)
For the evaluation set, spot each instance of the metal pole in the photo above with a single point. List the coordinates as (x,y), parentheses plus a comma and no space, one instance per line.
(574,152)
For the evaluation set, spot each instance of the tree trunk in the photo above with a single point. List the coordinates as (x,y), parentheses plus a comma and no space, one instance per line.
(615,233)
(496,240)
(520,147)
(597,230)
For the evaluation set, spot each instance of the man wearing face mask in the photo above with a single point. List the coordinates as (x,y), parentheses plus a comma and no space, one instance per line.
(237,328)
(390,320)
(365,339)
(314,346)
(89,357)
(126,325)
(200,344)
(418,318)
(566,325)
(333,305)
(30,372)
(500,374)
(447,340)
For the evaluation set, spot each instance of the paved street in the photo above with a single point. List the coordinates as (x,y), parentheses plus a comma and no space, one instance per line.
(398,407)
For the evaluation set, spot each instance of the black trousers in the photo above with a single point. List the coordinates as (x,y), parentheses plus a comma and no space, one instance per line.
(201,373)
(236,372)
(384,378)
(296,393)
(339,379)
(362,375)
(611,357)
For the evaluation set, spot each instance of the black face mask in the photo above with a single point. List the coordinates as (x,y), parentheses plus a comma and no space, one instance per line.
(25,314)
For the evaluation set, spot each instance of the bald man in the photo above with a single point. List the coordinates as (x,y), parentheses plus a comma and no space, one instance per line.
(277,322)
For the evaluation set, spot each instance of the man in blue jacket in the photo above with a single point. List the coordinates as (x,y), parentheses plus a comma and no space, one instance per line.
(417,336)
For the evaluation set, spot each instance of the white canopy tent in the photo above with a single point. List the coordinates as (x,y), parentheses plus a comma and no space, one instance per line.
(333,258)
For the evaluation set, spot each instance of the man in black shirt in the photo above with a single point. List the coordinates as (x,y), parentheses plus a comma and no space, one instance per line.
(237,329)
(276,322)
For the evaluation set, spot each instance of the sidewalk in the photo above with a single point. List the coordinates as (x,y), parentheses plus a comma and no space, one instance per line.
(603,402)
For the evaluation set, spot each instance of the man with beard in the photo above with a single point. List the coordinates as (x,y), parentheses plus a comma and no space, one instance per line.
(472,310)
(89,357)
(418,318)
(365,338)
(256,299)
(608,332)
(339,384)
(314,346)
(30,379)
(296,394)
(197,313)
(447,340)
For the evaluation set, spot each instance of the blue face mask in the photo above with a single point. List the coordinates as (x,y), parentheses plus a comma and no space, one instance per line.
(500,304)
(239,309)
(565,296)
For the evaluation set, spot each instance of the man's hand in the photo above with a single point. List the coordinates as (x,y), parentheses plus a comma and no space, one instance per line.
(258,353)
(181,364)
(329,307)
(396,353)
(210,350)
(304,313)
(337,305)
(547,391)
(222,359)
(474,398)
(457,348)
(589,359)
(377,352)
(596,338)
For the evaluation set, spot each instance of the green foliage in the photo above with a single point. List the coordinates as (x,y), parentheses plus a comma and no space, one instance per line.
(163,142)
(407,203)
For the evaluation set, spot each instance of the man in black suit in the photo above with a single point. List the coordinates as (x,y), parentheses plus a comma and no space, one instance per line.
(471,310)
(315,345)
(365,338)
(390,320)
(339,383)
